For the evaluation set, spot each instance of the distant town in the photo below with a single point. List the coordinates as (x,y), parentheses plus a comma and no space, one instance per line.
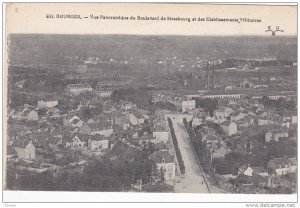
(137,114)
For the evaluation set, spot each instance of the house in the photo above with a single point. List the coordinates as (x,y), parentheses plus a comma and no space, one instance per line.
(196,121)
(188,105)
(101,128)
(236,116)
(32,115)
(78,141)
(76,89)
(126,105)
(261,121)
(81,68)
(136,118)
(228,111)
(85,129)
(229,127)
(25,113)
(160,133)
(103,92)
(161,146)
(84,103)
(146,138)
(165,164)
(25,151)
(276,134)
(123,121)
(253,83)
(282,166)
(108,108)
(247,121)
(73,121)
(248,175)
(98,143)
(47,103)
(53,113)
(252,102)
(211,141)
(290,117)
(219,116)
(260,171)
(250,171)
(56,141)
(220,152)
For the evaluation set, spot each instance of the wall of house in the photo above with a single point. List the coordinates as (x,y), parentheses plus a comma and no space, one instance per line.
(26,153)
(47,104)
(33,116)
(99,145)
(161,136)
(169,170)
(104,132)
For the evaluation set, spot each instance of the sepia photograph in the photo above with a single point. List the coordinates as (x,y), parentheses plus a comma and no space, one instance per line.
(102,98)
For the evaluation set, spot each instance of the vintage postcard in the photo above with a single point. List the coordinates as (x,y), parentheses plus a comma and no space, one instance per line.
(188,100)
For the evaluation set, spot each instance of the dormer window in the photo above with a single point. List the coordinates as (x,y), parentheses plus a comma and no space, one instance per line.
(163,160)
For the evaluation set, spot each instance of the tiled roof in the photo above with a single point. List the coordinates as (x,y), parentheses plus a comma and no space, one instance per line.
(99,126)
(159,156)
(259,169)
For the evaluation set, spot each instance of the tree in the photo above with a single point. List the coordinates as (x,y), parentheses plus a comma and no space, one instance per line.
(210,105)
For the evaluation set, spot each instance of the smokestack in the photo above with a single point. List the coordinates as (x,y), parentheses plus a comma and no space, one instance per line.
(207,76)
(168,68)
(212,75)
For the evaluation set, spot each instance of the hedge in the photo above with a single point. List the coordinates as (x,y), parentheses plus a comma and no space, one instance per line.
(177,150)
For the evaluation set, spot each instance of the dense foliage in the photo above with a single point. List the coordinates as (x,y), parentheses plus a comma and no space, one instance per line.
(177,150)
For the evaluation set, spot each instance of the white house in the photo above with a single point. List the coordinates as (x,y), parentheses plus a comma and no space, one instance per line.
(25,113)
(282,166)
(250,171)
(219,116)
(229,128)
(76,89)
(127,105)
(236,116)
(98,144)
(253,83)
(47,103)
(78,141)
(188,105)
(165,164)
(276,134)
(103,92)
(161,136)
(27,152)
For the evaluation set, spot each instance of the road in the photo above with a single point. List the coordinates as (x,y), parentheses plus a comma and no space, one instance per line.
(192,181)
